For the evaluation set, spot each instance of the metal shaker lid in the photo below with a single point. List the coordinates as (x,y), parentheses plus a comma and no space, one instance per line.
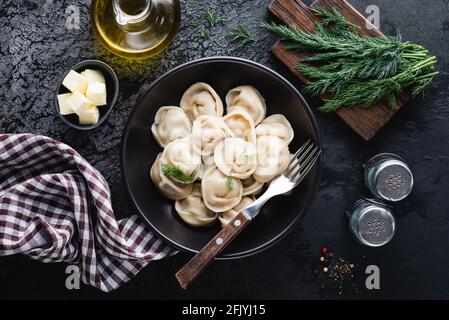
(394,180)
(375,225)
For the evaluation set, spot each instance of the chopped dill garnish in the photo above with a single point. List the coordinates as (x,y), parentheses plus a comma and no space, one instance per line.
(229,184)
(205,33)
(177,174)
(213,18)
(249,156)
(241,34)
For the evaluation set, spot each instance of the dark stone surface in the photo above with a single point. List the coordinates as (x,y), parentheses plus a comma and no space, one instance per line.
(36,48)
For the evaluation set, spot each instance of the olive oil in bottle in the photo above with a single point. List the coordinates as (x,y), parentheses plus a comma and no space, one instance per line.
(135,28)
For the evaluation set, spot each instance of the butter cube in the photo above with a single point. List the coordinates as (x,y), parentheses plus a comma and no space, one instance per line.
(75,82)
(65,107)
(93,75)
(96,93)
(90,116)
(79,103)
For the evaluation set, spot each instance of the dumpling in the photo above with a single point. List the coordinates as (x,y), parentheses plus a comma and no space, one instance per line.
(248,99)
(236,158)
(251,186)
(272,158)
(169,188)
(241,124)
(170,124)
(207,131)
(201,99)
(276,125)
(227,216)
(193,211)
(180,161)
(220,193)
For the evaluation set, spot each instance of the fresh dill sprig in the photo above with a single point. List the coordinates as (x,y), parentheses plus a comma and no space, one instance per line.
(177,174)
(355,70)
(205,33)
(229,184)
(334,18)
(213,18)
(241,34)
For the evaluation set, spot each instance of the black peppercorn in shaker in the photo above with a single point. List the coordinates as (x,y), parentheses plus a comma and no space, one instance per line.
(388,177)
(371,222)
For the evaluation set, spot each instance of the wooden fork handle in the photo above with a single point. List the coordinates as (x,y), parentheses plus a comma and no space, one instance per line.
(199,262)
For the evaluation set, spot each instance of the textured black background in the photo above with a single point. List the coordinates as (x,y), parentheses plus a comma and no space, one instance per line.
(36,48)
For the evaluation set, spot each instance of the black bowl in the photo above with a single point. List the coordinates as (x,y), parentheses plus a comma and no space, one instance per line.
(112,88)
(139,150)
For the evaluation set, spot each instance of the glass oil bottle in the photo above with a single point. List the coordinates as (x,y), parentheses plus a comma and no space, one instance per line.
(135,29)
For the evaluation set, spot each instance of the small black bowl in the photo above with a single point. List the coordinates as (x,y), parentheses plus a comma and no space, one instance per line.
(139,150)
(112,88)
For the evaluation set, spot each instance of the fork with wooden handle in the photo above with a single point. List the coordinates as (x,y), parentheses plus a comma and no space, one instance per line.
(300,164)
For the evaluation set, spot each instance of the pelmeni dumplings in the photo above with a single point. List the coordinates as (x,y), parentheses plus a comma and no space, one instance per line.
(207,131)
(170,123)
(251,186)
(220,193)
(181,160)
(201,99)
(192,209)
(249,99)
(276,125)
(168,187)
(273,158)
(241,124)
(235,157)
(227,216)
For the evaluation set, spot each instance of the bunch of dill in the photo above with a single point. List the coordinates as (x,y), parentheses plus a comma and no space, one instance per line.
(355,70)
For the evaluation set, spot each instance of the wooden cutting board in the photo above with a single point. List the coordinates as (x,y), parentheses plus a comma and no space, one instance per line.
(365,121)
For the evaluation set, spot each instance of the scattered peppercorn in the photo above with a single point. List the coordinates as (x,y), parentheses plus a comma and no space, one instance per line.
(336,273)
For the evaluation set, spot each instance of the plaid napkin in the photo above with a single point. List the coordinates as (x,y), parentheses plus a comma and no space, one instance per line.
(54,207)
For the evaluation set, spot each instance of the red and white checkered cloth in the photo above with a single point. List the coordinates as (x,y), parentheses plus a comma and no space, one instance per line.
(54,207)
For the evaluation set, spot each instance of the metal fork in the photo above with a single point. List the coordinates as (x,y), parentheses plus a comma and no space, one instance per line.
(300,164)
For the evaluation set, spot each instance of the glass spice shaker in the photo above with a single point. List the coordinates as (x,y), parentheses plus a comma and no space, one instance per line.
(388,177)
(371,222)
